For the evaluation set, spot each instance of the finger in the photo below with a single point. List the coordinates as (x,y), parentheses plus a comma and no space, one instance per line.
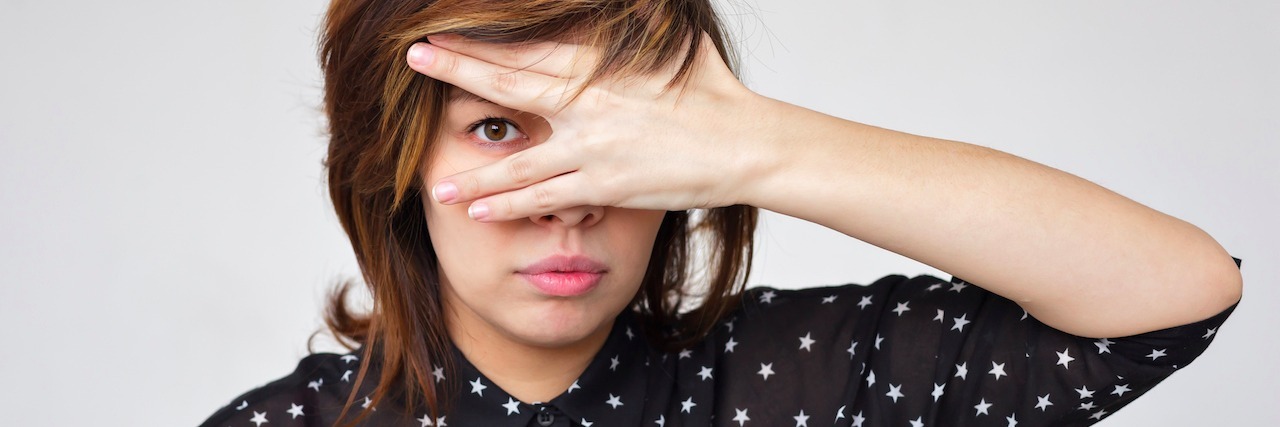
(519,170)
(557,59)
(521,90)
(562,192)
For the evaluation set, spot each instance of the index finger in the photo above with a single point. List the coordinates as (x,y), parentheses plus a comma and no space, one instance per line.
(557,59)
(518,89)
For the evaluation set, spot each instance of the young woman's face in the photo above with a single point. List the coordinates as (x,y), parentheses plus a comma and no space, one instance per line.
(483,266)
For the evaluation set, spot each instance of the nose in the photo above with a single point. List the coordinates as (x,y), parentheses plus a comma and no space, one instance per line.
(584,216)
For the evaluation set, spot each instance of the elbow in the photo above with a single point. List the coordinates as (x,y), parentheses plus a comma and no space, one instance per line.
(1227,284)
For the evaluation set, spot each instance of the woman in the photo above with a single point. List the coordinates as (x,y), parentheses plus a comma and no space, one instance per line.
(553,205)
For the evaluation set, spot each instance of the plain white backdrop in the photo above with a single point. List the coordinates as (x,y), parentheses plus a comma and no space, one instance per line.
(166,236)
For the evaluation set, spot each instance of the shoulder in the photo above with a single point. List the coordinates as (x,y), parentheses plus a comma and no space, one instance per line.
(310,395)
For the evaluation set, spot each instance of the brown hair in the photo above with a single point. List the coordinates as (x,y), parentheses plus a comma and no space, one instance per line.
(384,117)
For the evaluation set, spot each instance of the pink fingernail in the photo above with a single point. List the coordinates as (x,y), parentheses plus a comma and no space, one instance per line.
(478,211)
(421,54)
(445,192)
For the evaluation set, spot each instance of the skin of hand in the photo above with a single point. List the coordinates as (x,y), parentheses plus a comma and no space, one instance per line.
(1076,256)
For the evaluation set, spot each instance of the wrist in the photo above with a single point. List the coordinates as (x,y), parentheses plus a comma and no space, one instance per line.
(758,152)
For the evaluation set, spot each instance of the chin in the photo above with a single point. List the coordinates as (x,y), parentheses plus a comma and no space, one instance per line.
(559,323)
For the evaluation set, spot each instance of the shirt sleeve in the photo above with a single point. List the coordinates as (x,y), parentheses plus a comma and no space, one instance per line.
(925,351)
(312,395)
(992,363)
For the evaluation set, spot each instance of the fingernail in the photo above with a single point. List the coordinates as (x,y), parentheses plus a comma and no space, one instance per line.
(420,54)
(478,211)
(445,192)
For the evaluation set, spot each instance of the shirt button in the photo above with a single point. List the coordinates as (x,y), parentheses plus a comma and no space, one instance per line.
(545,419)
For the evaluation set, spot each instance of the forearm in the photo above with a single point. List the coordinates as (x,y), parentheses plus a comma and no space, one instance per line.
(1077,256)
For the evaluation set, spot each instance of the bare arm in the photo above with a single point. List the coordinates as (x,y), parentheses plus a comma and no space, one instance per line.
(1076,256)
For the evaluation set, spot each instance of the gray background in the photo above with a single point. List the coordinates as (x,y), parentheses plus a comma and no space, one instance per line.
(167,239)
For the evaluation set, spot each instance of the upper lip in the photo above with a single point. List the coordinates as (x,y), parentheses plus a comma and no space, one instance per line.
(564,264)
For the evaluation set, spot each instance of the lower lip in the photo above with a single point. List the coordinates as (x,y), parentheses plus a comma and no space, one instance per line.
(565,284)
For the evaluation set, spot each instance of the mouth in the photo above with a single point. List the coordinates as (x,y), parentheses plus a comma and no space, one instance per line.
(564,276)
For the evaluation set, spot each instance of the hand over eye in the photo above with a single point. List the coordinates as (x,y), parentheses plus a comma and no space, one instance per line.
(626,141)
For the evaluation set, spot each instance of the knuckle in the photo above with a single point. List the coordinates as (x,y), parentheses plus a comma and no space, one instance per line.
(543,199)
(505,81)
(519,169)
(447,64)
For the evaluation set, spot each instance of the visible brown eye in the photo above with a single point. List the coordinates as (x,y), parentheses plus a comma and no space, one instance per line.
(496,130)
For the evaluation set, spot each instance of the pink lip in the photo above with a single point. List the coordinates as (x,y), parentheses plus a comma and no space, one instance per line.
(564,276)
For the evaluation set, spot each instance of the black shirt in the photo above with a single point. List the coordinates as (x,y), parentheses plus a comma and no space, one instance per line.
(902,352)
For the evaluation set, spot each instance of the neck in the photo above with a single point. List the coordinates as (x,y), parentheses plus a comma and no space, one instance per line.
(530,373)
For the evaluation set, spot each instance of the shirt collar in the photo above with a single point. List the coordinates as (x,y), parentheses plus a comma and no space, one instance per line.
(612,388)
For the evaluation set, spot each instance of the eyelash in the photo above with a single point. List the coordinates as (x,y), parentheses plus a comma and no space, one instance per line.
(471,129)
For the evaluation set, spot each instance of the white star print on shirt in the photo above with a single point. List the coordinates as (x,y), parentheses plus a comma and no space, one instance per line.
(1036,376)
(901,308)
(960,322)
(512,406)
(349,358)
(997,369)
(614,401)
(829,299)
(1064,358)
(478,388)
(802,420)
(1012,419)
(1104,345)
(687,405)
(258,418)
(1209,332)
(766,369)
(705,373)
(982,408)
(806,343)
(1042,402)
(895,391)
(957,287)
(917,422)
(295,410)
